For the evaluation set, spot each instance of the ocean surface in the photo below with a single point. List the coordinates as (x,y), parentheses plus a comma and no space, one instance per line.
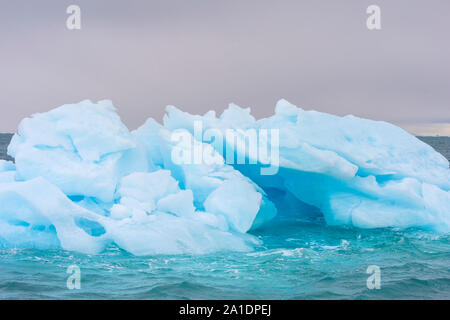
(5,138)
(297,259)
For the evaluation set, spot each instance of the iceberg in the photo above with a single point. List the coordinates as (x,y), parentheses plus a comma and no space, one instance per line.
(7,171)
(356,171)
(82,148)
(36,214)
(128,192)
(82,181)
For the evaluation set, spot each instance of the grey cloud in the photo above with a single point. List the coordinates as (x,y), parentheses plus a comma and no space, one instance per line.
(201,55)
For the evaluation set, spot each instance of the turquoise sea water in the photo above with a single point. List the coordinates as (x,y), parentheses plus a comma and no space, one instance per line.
(297,259)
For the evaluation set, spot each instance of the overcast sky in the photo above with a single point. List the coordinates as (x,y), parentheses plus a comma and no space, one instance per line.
(203,54)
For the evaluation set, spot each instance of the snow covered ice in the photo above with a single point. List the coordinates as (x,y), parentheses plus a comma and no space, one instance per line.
(356,171)
(82,181)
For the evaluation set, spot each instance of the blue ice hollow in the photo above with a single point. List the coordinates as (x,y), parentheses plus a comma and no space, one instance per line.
(82,181)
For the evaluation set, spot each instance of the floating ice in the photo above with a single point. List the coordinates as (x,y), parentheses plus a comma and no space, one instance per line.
(36,214)
(6,166)
(82,181)
(81,148)
(7,171)
(355,171)
(217,188)
(127,191)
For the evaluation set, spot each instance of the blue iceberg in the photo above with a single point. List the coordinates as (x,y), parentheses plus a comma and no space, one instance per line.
(82,181)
